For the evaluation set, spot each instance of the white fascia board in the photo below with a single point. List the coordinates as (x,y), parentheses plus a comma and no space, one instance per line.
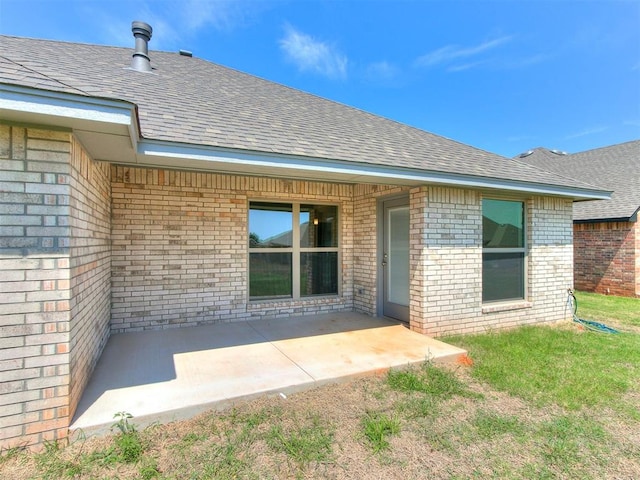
(68,109)
(242,162)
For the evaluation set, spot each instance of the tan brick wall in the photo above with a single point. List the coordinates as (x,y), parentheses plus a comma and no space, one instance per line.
(365,234)
(446,263)
(90,251)
(35,288)
(607,258)
(446,260)
(179,247)
(418,256)
(178,256)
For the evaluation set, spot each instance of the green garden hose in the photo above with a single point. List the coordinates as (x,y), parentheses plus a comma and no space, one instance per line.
(572,303)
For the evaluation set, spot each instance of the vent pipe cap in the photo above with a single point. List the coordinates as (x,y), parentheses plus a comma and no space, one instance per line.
(140,60)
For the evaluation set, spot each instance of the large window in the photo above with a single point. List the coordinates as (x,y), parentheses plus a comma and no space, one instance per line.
(503,250)
(293,250)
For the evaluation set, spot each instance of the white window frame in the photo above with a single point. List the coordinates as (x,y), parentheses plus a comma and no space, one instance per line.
(296,250)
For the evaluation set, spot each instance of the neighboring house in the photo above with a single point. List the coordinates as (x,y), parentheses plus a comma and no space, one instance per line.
(174,192)
(606,237)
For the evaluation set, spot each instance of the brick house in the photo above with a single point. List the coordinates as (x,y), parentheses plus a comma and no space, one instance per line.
(173,192)
(606,237)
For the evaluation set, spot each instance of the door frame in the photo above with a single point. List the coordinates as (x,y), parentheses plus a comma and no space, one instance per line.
(380,244)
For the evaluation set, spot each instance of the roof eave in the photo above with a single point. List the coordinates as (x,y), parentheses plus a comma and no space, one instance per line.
(109,129)
(632,219)
(114,122)
(174,155)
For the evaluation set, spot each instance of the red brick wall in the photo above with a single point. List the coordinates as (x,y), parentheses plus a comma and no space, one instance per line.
(606,258)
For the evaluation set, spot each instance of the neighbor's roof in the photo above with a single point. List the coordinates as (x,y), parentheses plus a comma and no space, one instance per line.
(192,101)
(615,168)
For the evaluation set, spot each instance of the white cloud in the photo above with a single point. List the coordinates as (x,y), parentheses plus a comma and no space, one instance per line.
(220,14)
(382,72)
(450,53)
(312,55)
(174,22)
(465,66)
(587,132)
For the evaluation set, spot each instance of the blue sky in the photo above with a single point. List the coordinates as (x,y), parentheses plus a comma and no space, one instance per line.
(505,76)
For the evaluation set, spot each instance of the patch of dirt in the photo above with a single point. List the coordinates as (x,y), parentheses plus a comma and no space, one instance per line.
(437,444)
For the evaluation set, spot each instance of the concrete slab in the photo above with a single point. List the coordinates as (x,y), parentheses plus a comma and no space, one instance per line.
(159,376)
(325,350)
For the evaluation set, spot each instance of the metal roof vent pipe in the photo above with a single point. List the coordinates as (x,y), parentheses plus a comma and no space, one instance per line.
(140,60)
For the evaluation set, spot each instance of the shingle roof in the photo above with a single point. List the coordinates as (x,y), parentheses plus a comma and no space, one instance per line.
(193,101)
(615,168)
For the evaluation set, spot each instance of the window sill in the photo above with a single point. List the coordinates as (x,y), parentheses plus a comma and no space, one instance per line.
(271,302)
(506,306)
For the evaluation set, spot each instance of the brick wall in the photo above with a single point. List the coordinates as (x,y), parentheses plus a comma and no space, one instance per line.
(179,247)
(607,258)
(365,234)
(90,252)
(446,263)
(446,260)
(174,245)
(35,288)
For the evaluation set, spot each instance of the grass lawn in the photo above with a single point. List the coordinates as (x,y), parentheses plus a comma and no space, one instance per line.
(538,402)
(604,308)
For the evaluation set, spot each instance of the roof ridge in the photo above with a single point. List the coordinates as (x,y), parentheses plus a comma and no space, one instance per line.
(607,147)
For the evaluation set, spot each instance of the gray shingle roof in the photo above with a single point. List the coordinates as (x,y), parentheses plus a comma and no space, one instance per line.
(615,168)
(193,101)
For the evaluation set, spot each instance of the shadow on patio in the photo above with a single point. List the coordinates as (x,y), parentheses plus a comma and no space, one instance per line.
(173,374)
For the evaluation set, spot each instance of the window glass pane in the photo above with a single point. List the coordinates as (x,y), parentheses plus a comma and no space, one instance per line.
(318,273)
(270,275)
(318,226)
(502,224)
(270,225)
(502,276)
(398,261)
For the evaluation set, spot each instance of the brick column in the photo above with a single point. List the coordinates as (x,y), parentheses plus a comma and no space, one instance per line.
(445,259)
(418,198)
(35,289)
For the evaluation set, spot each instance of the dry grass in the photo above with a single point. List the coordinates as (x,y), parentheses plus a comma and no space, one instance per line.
(483,433)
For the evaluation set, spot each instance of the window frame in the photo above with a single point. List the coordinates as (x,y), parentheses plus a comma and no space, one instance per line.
(524,250)
(296,250)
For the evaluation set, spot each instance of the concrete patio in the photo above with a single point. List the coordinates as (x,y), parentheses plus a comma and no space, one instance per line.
(159,376)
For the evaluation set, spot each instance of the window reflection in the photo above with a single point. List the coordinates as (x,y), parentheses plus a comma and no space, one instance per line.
(318,226)
(503,254)
(270,225)
(274,258)
(502,224)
